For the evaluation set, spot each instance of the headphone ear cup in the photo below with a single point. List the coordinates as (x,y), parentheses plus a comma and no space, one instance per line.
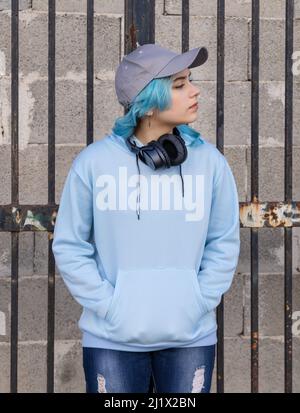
(163,154)
(175,146)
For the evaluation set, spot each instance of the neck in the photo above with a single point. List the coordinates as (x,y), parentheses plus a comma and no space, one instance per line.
(146,134)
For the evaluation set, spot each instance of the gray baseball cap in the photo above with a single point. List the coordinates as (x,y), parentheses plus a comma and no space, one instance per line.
(151,61)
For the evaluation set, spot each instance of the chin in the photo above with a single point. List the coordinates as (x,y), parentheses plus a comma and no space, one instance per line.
(192,118)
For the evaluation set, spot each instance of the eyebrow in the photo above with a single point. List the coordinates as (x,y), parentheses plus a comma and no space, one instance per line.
(183,77)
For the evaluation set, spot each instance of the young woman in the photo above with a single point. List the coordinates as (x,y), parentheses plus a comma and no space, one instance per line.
(147,234)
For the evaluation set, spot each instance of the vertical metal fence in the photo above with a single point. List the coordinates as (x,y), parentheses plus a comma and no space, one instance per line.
(139,29)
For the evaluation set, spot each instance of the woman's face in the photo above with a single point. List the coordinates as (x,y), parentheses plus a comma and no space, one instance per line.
(184,95)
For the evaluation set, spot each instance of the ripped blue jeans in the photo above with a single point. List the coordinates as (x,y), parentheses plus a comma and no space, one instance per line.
(173,370)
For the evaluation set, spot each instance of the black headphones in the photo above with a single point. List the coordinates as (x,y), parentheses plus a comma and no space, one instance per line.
(168,150)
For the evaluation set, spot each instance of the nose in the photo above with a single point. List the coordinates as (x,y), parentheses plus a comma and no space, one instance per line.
(196,90)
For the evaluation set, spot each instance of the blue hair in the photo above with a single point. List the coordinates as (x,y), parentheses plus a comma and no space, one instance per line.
(156,95)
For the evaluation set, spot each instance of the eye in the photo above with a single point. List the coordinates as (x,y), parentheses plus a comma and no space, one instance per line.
(181,86)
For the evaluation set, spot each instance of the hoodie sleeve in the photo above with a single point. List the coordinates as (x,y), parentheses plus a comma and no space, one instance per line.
(222,246)
(72,250)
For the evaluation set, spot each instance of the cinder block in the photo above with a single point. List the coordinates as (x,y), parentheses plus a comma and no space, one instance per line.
(237,365)
(270,250)
(64,157)
(296,109)
(33,174)
(271,259)
(40,253)
(233,307)
(67,313)
(25,266)
(271,365)
(5,311)
(200,7)
(296,45)
(5,46)
(69,373)
(271,179)
(23,4)
(70,111)
(236,157)
(243,265)
(272,59)
(237,118)
(168,34)
(235,49)
(236,8)
(78,6)
(33,309)
(271,368)
(5,367)
(296,250)
(32,367)
(5,175)
(5,111)
(70,43)
(271,303)
(206,119)
(271,114)
(296,173)
(5,256)
(100,6)
(203,32)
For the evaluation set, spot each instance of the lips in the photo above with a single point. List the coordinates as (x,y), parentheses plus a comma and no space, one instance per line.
(194,105)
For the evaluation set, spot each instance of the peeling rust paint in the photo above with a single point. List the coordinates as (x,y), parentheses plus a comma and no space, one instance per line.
(35,221)
(132,33)
(19,218)
(270,214)
(254,344)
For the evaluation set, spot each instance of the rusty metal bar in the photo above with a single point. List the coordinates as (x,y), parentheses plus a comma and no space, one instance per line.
(220,147)
(254,190)
(14,192)
(139,29)
(288,196)
(90,73)
(139,23)
(185,25)
(51,193)
(36,217)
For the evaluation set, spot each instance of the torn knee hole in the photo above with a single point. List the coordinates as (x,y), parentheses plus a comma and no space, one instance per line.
(101,383)
(198,380)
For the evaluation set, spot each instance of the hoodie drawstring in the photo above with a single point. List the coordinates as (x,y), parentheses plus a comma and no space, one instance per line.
(182,183)
(138,206)
(138,197)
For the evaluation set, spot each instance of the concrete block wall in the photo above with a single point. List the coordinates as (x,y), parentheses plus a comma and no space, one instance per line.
(70,139)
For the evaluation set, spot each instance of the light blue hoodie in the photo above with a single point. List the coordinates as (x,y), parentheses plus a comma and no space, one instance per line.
(150,283)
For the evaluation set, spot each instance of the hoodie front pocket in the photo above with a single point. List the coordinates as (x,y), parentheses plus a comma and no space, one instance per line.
(152,306)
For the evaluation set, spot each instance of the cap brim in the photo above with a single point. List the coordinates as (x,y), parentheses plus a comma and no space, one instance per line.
(192,58)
